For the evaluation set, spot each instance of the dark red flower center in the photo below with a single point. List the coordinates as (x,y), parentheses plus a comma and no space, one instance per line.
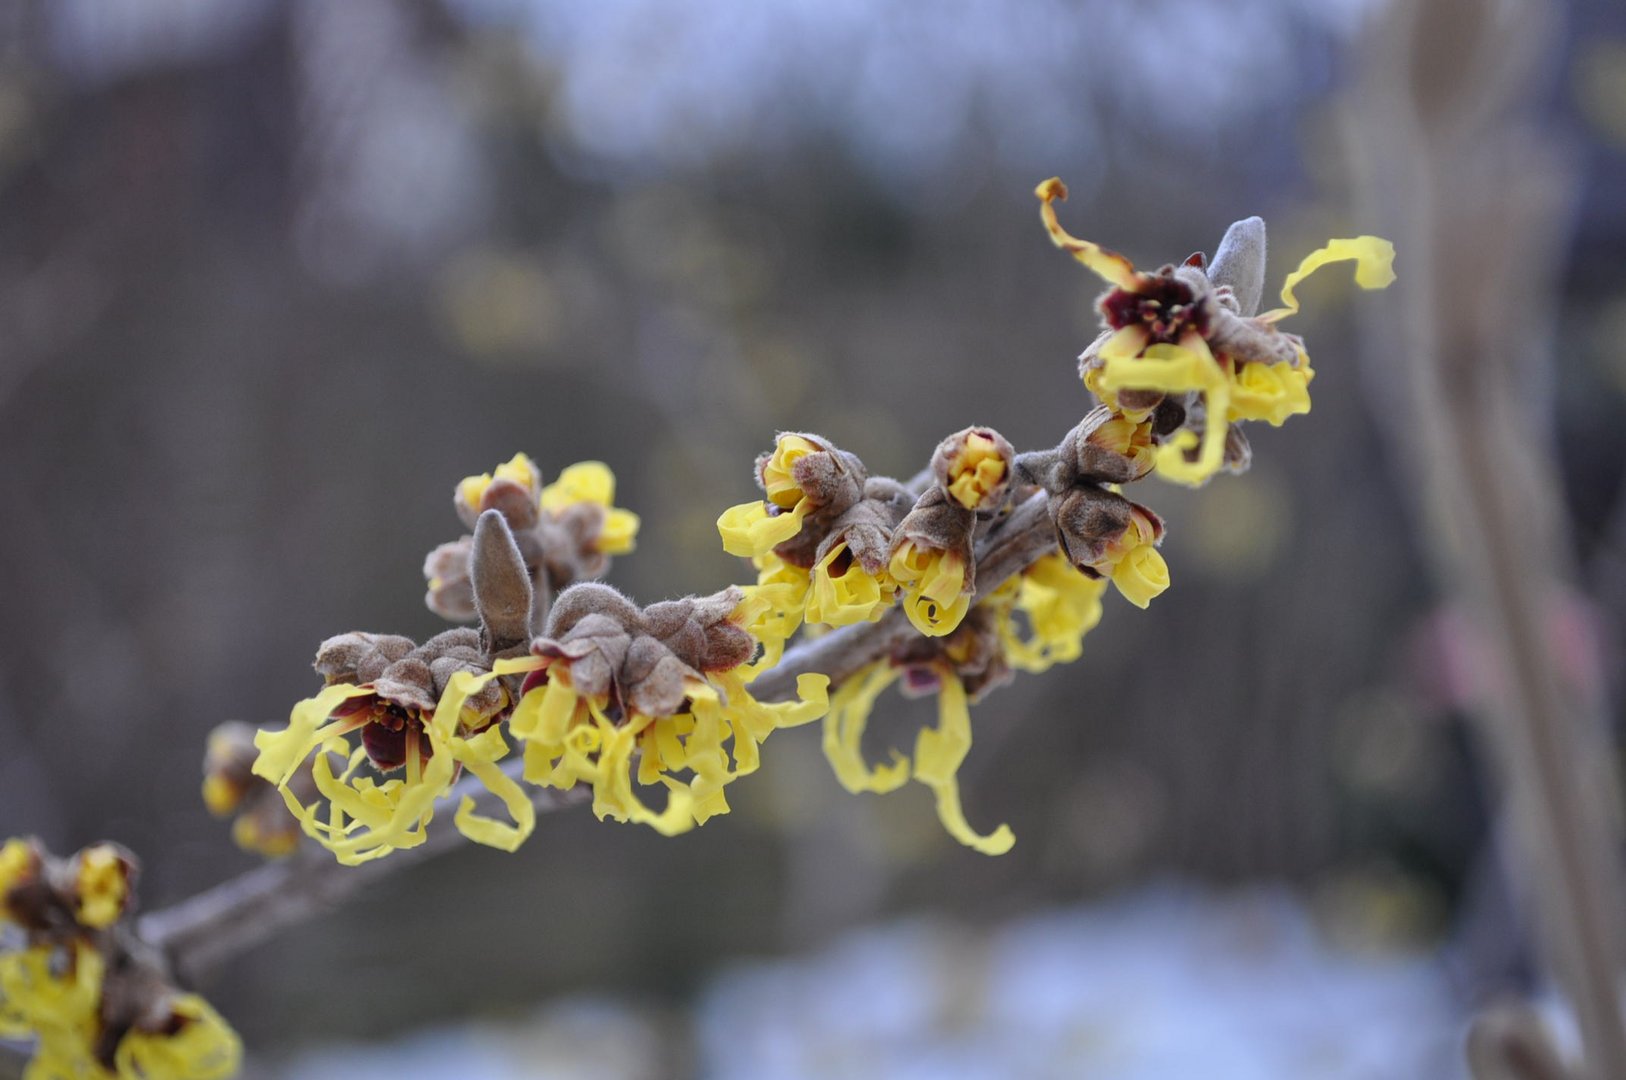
(387,734)
(1162,304)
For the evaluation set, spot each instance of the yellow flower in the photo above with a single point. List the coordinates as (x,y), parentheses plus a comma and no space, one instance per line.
(933,582)
(1159,343)
(843,593)
(976,472)
(19,863)
(368,819)
(54,996)
(1126,437)
(520,469)
(778,472)
(570,738)
(1134,564)
(101,886)
(593,483)
(1270,392)
(1060,604)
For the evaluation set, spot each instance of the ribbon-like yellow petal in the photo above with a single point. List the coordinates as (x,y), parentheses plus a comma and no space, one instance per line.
(938,754)
(1374,268)
(1108,264)
(844,728)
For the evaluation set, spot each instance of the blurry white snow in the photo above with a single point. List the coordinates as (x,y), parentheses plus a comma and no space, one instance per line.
(1160,983)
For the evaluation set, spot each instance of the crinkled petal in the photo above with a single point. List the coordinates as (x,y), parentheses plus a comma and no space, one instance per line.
(1374,268)
(844,726)
(748,530)
(281,752)
(938,754)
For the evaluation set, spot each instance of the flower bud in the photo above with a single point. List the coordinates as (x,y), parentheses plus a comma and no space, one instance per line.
(102,878)
(973,467)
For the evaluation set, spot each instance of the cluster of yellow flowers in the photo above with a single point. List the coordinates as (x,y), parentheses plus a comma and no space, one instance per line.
(592,690)
(602,693)
(67,983)
(1178,365)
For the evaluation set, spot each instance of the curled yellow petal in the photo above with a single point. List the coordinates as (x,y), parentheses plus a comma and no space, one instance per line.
(938,754)
(843,593)
(1108,264)
(1374,268)
(479,756)
(281,752)
(1270,392)
(933,581)
(1061,606)
(748,530)
(844,726)
(1141,575)
(779,474)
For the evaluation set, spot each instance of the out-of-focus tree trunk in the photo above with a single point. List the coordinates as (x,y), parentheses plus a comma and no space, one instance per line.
(1459,363)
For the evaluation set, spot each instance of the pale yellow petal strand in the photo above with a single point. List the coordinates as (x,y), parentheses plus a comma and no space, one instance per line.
(479,755)
(844,728)
(281,752)
(1109,264)
(1374,268)
(938,754)
(613,793)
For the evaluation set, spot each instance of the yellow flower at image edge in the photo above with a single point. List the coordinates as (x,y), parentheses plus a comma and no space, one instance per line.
(18,862)
(593,482)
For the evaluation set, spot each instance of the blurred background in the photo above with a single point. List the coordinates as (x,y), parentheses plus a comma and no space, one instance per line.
(274,276)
